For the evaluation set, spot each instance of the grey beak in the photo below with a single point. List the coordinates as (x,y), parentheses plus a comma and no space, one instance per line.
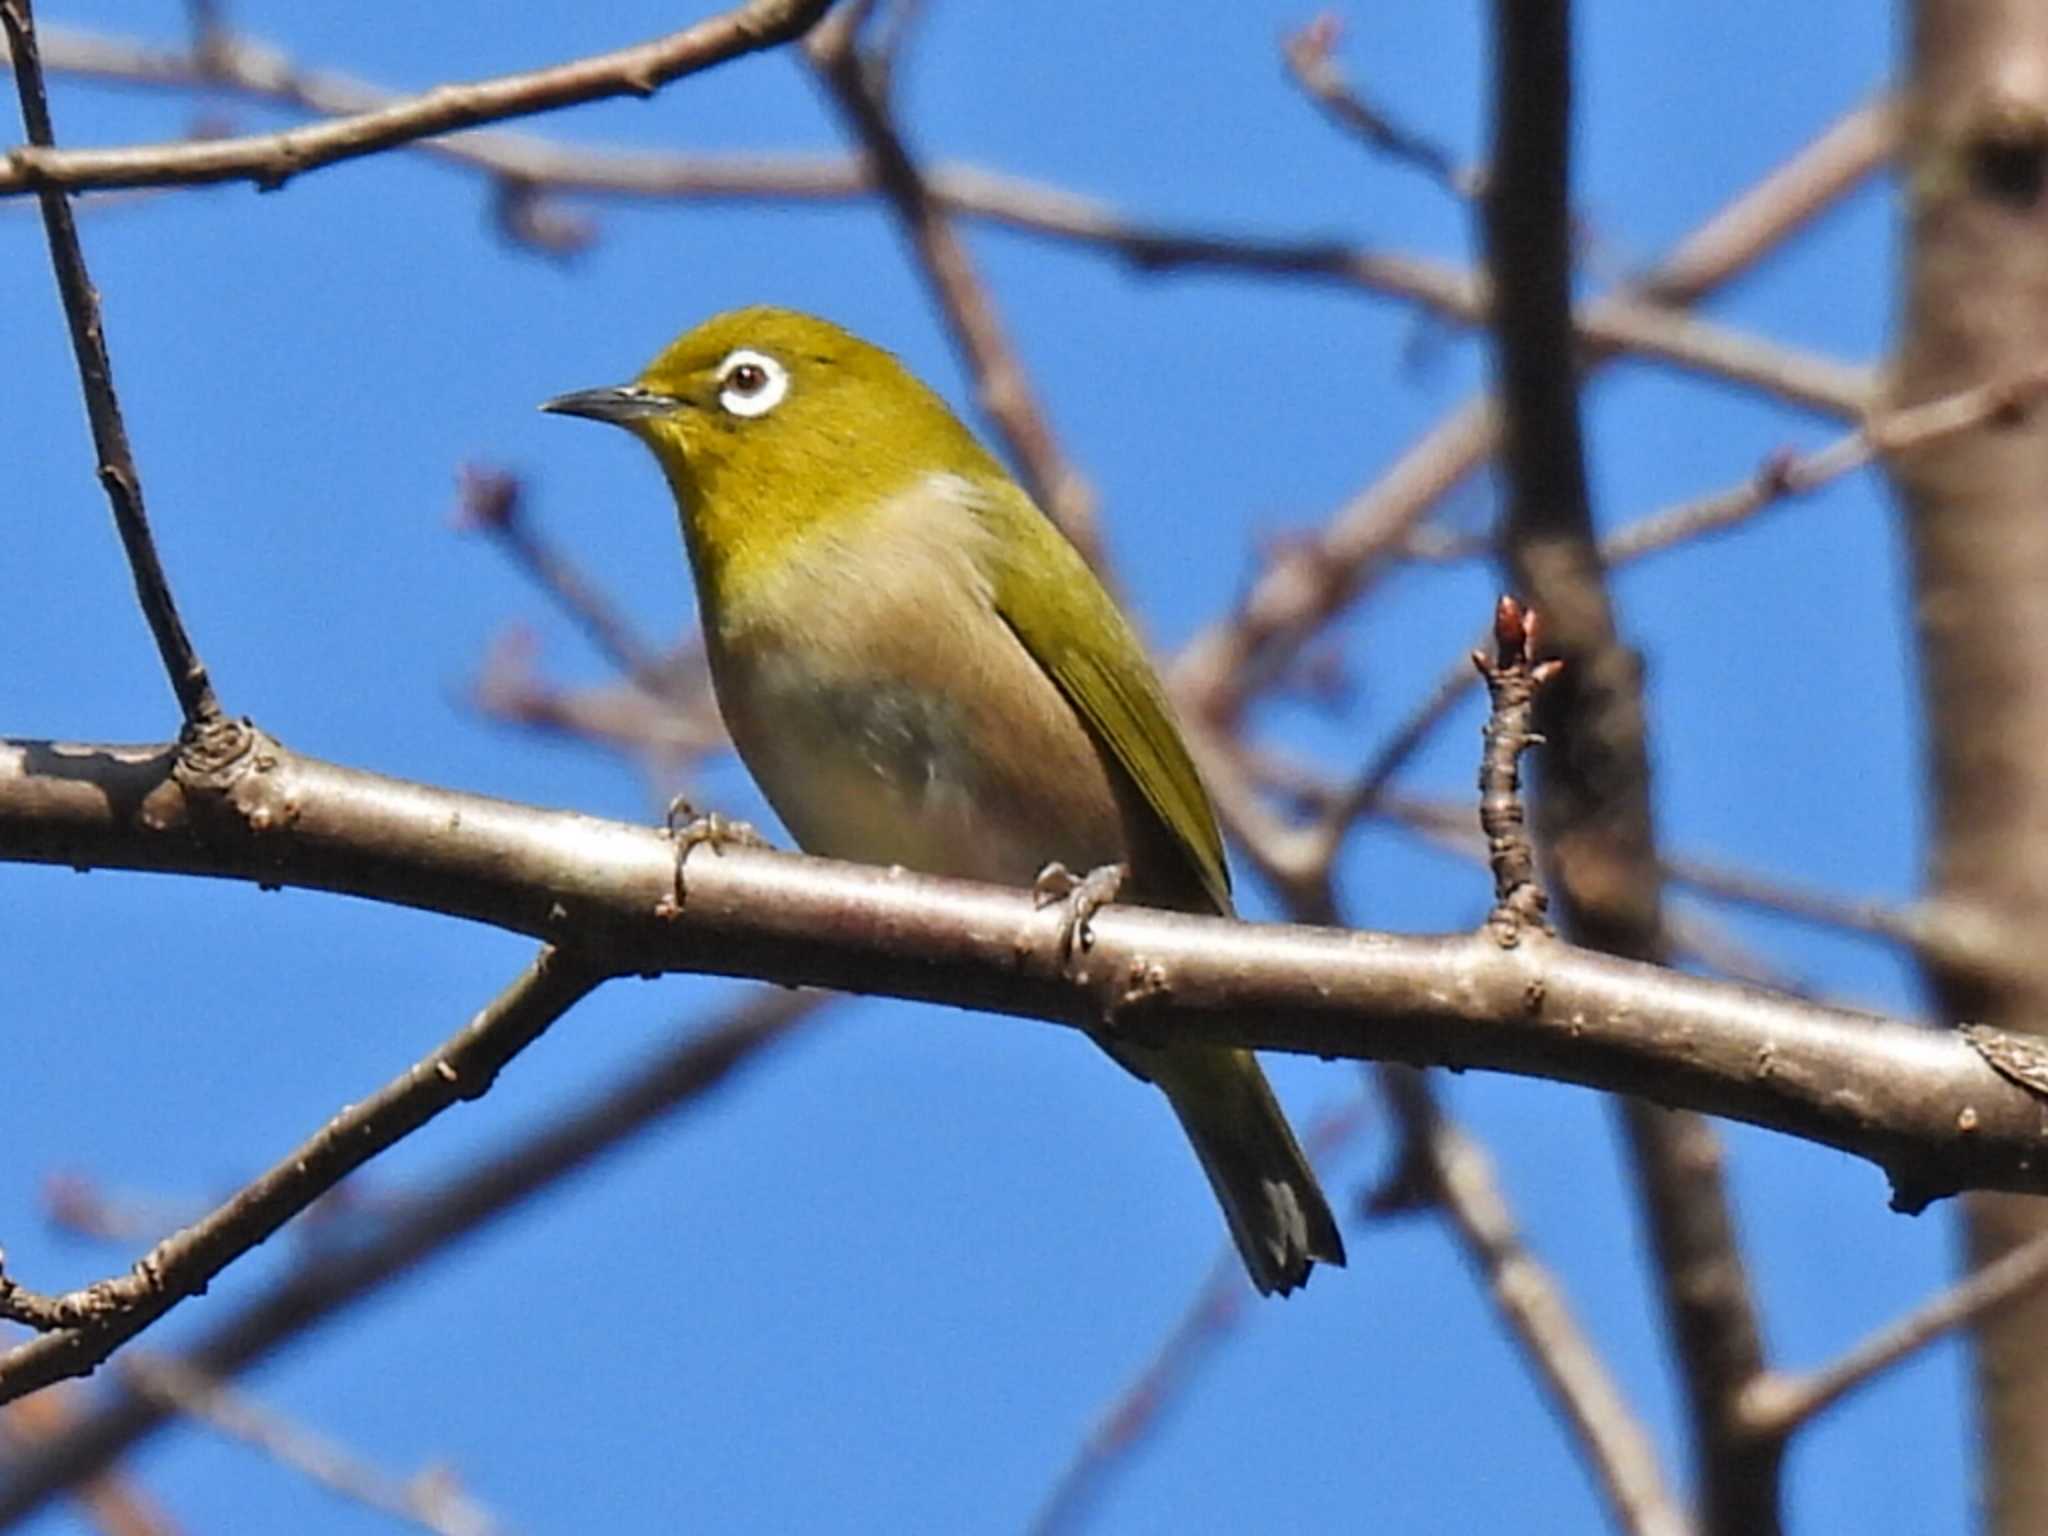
(619,404)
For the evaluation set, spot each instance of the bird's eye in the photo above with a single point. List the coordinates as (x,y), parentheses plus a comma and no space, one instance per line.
(751,383)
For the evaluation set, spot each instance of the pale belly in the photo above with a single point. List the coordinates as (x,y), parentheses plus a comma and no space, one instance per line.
(977,767)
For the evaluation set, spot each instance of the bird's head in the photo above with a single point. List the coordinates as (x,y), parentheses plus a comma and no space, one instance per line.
(768,423)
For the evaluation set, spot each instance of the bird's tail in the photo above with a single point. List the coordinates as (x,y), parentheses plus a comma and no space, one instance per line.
(1275,1207)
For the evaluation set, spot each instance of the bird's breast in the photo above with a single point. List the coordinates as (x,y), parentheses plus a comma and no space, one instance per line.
(890,716)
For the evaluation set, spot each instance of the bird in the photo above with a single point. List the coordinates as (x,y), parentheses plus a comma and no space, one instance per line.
(919,669)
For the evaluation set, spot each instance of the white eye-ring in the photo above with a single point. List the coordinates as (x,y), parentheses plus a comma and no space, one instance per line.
(751,383)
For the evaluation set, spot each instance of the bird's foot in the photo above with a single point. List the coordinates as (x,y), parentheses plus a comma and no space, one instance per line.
(688,829)
(1082,896)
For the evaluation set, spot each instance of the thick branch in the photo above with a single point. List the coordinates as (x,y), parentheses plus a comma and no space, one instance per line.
(1922,1104)
(1975,307)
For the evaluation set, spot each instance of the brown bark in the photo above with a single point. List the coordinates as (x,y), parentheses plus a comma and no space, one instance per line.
(1976,307)
(1594,811)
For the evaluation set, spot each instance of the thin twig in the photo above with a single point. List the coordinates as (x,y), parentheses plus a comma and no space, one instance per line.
(491,502)
(1294,598)
(1514,677)
(665,715)
(1874,919)
(1594,812)
(1615,323)
(431,1500)
(324,1284)
(271,159)
(78,1207)
(669,722)
(1784,476)
(1444,1167)
(1310,53)
(1777,479)
(117,473)
(1139,1410)
(1001,385)
(81,1329)
(1735,239)
(1782,1403)
(1447,825)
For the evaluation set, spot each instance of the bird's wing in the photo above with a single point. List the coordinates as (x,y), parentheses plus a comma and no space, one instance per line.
(1062,616)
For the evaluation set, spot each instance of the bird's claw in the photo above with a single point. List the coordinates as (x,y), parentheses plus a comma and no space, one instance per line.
(688,829)
(1082,896)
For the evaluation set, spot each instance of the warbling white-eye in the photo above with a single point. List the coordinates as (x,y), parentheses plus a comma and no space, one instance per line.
(919,669)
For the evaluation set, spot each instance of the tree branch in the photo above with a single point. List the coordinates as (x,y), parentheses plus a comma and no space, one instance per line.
(1922,1104)
(117,473)
(432,1502)
(271,159)
(855,82)
(1974,305)
(1310,54)
(1594,810)
(78,1331)
(1885,432)
(1301,592)
(1445,1166)
(332,1280)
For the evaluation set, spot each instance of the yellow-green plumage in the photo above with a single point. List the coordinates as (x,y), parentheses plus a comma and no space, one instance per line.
(919,669)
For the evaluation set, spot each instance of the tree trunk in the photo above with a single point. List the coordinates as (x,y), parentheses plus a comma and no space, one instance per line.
(1974,172)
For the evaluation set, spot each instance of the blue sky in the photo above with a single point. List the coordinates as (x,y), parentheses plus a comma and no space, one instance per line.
(888,1279)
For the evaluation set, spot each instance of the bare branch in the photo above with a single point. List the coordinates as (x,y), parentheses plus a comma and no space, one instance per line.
(1782,1403)
(1877,919)
(80,1330)
(1001,385)
(1594,810)
(332,1280)
(526,166)
(1784,476)
(1780,477)
(1923,1104)
(1310,52)
(117,473)
(1218,1309)
(271,159)
(1293,599)
(1734,240)
(1514,677)
(430,1500)
(1448,1169)
(669,723)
